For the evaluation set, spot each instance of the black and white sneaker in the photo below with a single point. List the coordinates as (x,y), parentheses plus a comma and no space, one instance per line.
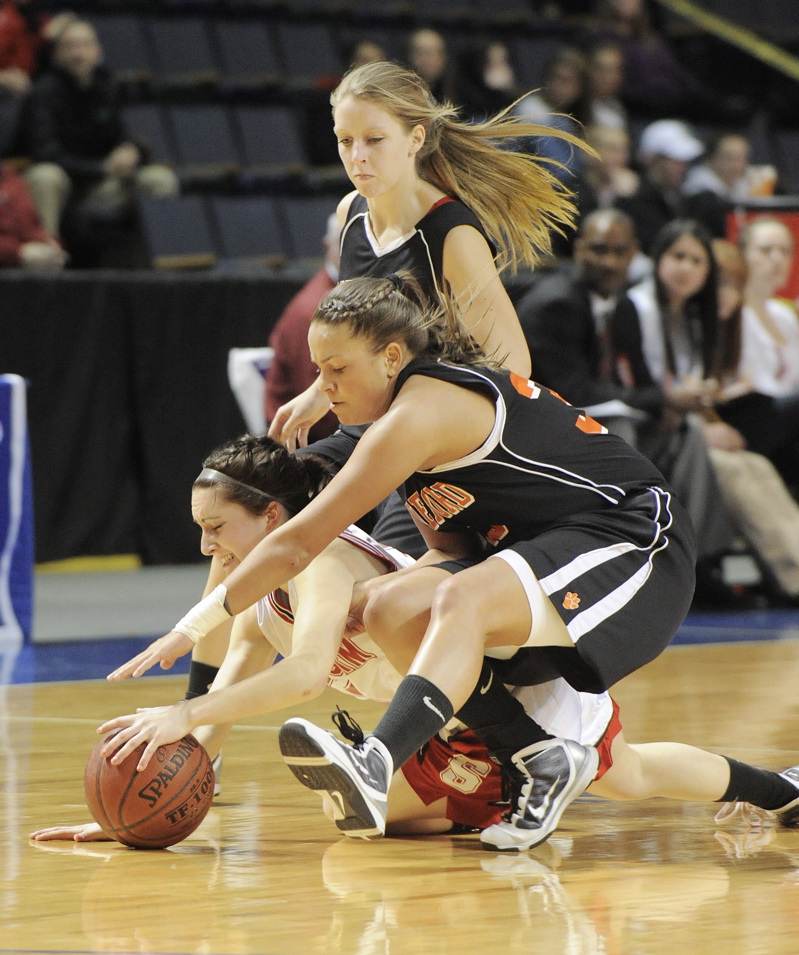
(547,777)
(789,815)
(356,778)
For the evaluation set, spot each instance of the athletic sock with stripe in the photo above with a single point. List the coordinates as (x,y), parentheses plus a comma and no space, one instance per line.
(417,712)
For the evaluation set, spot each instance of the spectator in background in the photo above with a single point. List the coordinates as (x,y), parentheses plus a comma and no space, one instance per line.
(770,351)
(24,242)
(604,79)
(585,341)
(768,372)
(362,50)
(725,179)
(560,104)
(748,479)
(73,129)
(487,79)
(25,33)
(665,149)
(292,370)
(426,53)
(656,83)
(607,176)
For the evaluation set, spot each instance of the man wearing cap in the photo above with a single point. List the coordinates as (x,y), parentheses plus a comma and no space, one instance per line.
(665,149)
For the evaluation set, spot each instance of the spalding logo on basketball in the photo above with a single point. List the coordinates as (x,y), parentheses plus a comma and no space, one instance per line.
(155,808)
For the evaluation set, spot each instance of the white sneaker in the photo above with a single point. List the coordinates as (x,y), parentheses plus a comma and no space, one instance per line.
(547,778)
(356,778)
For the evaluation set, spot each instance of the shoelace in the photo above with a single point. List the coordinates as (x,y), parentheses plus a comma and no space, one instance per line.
(752,816)
(512,782)
(348,727)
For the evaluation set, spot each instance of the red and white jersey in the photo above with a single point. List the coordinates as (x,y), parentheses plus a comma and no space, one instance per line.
(360,668)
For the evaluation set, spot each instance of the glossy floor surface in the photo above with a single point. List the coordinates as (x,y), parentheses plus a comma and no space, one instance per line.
(267,874)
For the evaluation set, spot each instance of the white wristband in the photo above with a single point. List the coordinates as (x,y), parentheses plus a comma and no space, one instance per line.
(205,616)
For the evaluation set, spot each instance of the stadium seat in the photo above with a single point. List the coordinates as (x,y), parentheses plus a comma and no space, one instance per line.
(248,227)
(182,52)
(246,54)
(306,222)
(177,232)
(126,46)
(146,123)
(271,148)
(205,143)
(309,53)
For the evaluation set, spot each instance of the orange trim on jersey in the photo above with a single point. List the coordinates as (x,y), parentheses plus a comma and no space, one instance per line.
(524,386)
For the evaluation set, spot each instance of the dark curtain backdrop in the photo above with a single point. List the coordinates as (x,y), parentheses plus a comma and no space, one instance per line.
(128,392)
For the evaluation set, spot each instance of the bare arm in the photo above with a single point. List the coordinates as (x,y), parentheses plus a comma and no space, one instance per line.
(249,687)
(428,423)
(486,309)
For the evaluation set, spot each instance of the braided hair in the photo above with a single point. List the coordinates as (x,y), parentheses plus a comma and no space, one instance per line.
(395,308)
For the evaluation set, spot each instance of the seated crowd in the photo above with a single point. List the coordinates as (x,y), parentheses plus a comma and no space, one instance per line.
(674,337)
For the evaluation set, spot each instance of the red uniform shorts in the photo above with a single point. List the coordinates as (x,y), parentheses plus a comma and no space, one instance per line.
(461,771)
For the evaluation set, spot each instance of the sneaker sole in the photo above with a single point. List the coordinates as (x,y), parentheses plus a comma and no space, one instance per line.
(317,769)
(535,837)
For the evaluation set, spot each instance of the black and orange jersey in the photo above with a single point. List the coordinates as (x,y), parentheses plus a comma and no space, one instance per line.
(544,462)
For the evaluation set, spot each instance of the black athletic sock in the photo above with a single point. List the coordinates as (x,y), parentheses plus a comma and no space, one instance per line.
(498,718)
(201,676)
(760,787)
(417,712)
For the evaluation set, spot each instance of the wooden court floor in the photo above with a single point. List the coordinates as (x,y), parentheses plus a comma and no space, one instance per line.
(267,874)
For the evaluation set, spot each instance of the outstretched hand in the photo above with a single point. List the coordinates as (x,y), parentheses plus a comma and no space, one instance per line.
(88,832)
(165,651)
(154,726)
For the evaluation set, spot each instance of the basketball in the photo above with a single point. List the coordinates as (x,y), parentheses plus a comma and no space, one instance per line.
(155,808)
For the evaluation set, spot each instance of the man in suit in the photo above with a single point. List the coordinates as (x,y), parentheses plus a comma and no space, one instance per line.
(585,342)
(583,332)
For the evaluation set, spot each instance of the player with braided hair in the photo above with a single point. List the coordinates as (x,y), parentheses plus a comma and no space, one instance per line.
(590,568)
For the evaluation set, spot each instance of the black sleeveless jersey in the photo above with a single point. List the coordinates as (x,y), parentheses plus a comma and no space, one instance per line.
(421,251)
(544,462)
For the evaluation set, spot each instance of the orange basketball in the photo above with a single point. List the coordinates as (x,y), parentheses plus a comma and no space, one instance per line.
(155,808)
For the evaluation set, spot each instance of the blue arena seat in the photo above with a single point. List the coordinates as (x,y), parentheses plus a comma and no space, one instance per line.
(205,142)
(248,227)
(271,147)
(305,220)
(247,54)
(177,232)
(146,123)
(309,52)
(182,52)
(126,45)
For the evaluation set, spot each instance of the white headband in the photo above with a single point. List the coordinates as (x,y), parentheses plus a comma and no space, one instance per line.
(216,476)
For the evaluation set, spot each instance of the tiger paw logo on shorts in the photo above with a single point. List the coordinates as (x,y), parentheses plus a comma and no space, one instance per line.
(571,601)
